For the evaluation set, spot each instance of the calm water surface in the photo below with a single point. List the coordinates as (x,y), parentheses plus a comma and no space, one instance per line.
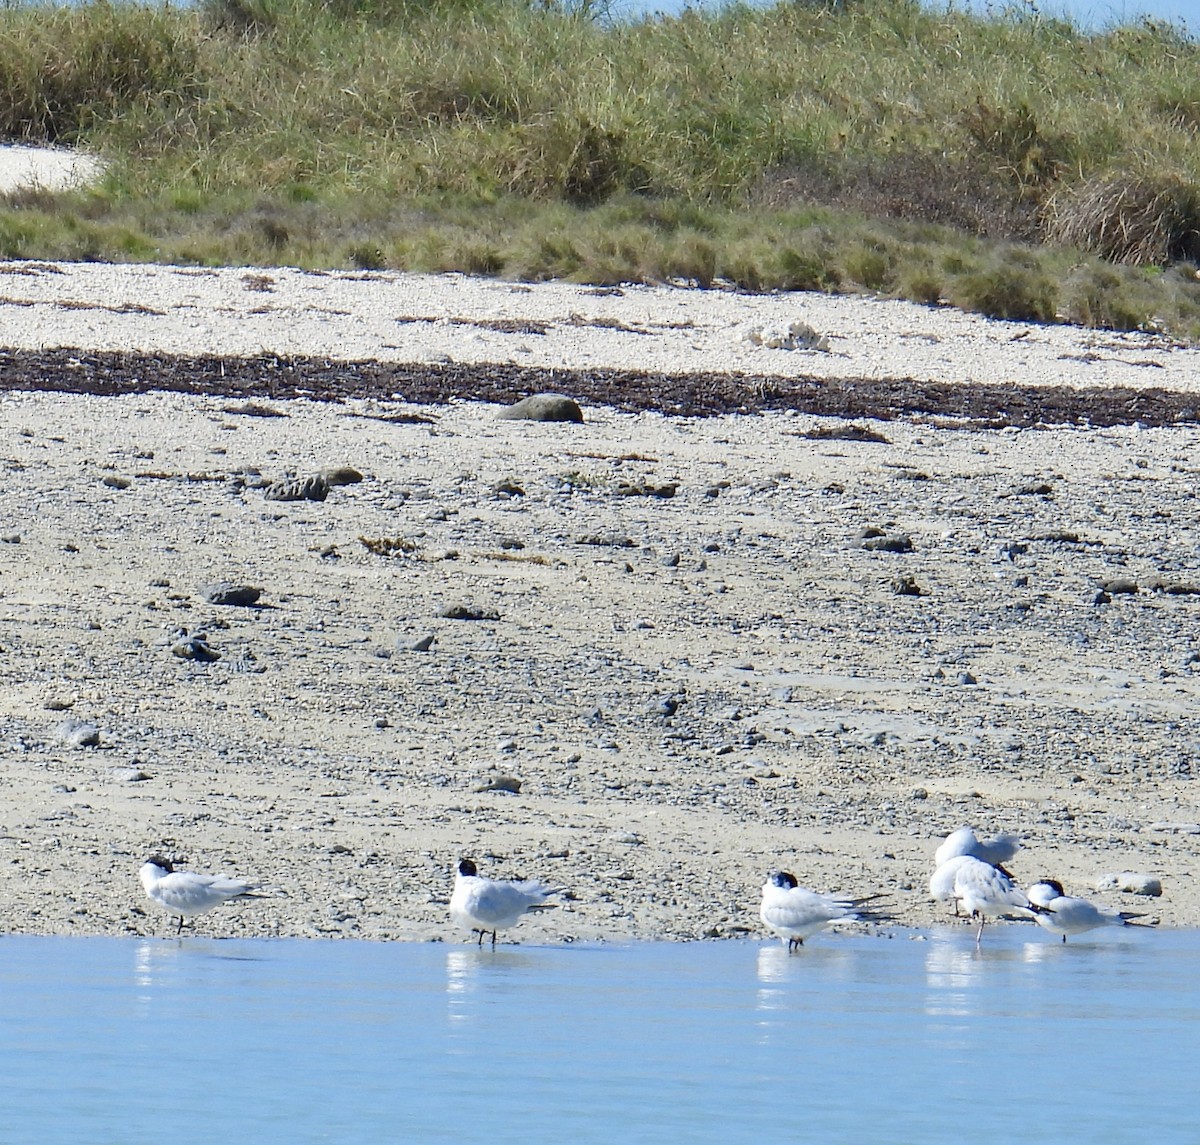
(913,1038)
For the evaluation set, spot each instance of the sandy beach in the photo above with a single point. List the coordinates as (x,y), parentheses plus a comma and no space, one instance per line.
(645,658)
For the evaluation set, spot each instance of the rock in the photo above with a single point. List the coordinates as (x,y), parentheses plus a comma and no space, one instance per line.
(509,783)
(888,543)
(228,593)
(340,475)
(795,335)
(312,488)
(1119,585)
(543,407)
(1131,882)
(79,733)
(646,489)
(114,482)
(422,645)
(194,647)
(906,586)
(468,612)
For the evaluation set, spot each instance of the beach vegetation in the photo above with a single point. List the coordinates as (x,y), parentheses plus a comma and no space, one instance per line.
(1009,163)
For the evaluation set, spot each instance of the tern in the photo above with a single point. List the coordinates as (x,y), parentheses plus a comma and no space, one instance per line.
(488,905)
(795,913)
(185,893)
(1071,915)
(982,889)
(941,882)
(964,841)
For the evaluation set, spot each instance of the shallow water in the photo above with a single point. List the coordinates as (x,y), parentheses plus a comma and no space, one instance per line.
(911,1038)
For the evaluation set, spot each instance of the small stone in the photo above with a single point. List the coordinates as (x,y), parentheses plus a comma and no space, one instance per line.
(422,645)
(889,543)
(1130,882)
(906,586)
(468,612)
(543,407)
(313,488)
(1118,586)
(509,783)
(227,593)
(341,475)
(194,647)
(79,733)
(114,482)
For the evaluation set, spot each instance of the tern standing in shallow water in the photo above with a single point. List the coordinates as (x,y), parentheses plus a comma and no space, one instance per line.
(487,905)
(795,913)
(1071,915)
(982,889)
(185,893)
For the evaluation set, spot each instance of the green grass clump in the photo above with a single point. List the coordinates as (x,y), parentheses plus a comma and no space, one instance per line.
(998,163)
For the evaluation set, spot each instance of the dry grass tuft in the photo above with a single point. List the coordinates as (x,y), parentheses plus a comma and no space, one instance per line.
(1142,220)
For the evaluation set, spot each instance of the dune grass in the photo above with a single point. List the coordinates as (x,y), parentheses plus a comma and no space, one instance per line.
(1012,165)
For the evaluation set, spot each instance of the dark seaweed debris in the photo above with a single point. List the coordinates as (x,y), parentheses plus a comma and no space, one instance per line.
(272,377)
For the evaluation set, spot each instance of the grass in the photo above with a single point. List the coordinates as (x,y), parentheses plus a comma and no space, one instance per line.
(1013,165)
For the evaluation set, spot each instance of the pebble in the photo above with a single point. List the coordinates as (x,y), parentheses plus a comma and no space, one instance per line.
(340,475)
(312,488)
(79,733)
(1131,883)
(194,647)
(509,783)
(543,407)
(888,543)
(227,593)
(467,612)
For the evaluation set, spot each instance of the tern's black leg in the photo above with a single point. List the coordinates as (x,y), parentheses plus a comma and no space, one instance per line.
(179,928)
(493,940)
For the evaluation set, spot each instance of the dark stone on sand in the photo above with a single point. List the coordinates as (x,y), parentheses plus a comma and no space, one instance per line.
(509,783)
(226,592)
(313,488)
(468,612)
(906,586)
(891,543)
(194,647)
(341,475)
(1120,585)
(543,407)
(646,489)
